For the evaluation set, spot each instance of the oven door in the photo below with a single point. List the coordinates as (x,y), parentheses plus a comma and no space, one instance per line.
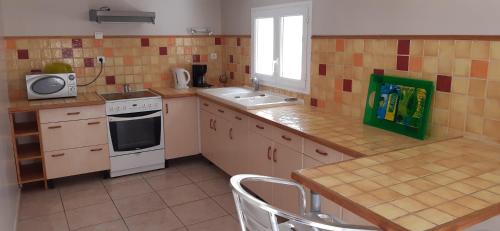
(135,132)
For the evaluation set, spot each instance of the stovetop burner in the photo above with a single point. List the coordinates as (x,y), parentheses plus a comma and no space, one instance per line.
(129,95)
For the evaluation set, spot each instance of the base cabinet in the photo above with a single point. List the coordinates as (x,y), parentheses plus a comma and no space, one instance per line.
(181,127)
(259,162)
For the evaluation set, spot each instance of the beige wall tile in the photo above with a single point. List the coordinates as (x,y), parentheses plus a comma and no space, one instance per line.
(480,50)
(492,128)
(463,48)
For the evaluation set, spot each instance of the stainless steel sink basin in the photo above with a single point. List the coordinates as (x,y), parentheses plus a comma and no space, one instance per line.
(248,99)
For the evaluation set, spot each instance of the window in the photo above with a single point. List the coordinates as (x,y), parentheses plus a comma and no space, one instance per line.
(281,45)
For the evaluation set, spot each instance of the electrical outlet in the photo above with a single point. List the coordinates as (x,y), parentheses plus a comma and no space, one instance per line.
(99,58)
(213,56)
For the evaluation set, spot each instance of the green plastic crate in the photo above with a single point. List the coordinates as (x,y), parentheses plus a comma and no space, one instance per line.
(398,105)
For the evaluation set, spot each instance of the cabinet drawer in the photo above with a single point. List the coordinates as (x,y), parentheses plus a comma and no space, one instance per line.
(222,111)
(76,161)
(207,105)
(287,138)
(239,120)
(74,134)
(321,152)
(260,127)
(72,113)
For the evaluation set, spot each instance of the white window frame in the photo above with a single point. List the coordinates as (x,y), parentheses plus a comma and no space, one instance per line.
(277,11)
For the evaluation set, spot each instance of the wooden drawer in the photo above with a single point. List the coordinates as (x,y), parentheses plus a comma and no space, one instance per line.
(239,120)
(76,161)
(72,113)
(74,134)
(321,152)
(207,105)
(222,111)
(287,138)
(260,127)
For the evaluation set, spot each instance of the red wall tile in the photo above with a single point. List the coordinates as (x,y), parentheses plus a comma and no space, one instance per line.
(110,80)
(378,71)
(67,53)
(218,41)
(347,85)
(23,54)
(163,51)
(144,42)
(238,42)
(403,47)
(402,63)
(231,75)
(88,62)
(231,58)
(443,83)
(322,69)
(196,58)
(314,102)
(247,69)
(76,43)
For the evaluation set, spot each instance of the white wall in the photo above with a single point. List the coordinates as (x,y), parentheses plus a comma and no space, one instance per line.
(374,17)
(9,193)
(70,17)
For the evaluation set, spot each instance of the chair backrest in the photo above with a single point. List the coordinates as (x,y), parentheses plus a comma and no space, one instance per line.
(256,215)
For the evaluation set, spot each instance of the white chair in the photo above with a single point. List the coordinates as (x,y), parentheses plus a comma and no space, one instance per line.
(256,215)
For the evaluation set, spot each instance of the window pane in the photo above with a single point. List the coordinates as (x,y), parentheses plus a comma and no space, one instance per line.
(264,52)
(291,47)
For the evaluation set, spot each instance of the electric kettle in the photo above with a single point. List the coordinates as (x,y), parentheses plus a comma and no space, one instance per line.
(182,78)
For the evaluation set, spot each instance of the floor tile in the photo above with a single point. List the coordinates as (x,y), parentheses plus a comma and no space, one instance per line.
(170,180)
(227,223)
(226,201)
(39,203)
(92,215)
(159,172)
(118,225)
(78,183)
(182,194)
(129,188)
(121,179)
(215,187)
(53,222)
(202,173)
(161,220)
(139,204)
(194,162)
(85,198)
(198,211)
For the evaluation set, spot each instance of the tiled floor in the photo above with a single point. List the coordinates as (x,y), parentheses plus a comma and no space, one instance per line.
(190,195)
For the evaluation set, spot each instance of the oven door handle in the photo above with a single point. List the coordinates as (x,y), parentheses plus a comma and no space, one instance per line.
(123,118)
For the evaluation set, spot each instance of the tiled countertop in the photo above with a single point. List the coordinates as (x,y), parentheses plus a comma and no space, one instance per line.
(447,185)
(169,93)
(31,105)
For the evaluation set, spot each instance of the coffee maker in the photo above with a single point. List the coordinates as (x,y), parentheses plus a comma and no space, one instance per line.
(199,71)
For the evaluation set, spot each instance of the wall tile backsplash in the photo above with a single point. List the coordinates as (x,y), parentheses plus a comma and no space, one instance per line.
(466,72)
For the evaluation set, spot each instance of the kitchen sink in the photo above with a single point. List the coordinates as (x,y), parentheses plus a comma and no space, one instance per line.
(248,99)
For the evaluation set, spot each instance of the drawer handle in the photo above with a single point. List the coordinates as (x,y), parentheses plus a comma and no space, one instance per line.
(321,152)
(211,124)
(73,113)
(55,127)
(205,104)
(269,153)
(166,108)
(231,133)
(238,118)
(286,138)
(58,155)
(259,127)
(94,123)
(275,155)
(96,149)
(215,125)
(220,110)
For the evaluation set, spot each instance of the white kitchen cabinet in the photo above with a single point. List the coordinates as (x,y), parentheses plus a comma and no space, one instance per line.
(285,161)
(207,134)
(259,162)
(236,144)
(221,127)
(181,127)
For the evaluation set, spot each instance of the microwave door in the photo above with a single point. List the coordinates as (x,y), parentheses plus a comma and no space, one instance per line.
(48,85)
(136,131)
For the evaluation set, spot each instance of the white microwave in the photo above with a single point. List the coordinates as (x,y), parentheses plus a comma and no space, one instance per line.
(49,86)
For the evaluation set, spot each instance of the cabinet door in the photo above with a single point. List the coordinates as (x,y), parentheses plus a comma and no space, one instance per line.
(286,160)
(237,146)
(327,206)
(181,127)
(220,141)
(259,161)
(207,134)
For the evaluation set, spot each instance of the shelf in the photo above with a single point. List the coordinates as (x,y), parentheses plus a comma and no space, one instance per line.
(26,129)
(29,151)
(31,172)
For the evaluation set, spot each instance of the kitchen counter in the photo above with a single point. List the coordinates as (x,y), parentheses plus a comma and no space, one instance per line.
(169,93)
(447,185)
(87,99)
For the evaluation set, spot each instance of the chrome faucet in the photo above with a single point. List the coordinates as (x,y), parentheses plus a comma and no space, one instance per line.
(255,82)
(126,88)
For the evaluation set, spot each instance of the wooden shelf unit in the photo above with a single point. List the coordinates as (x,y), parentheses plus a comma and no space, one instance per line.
(27,147)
